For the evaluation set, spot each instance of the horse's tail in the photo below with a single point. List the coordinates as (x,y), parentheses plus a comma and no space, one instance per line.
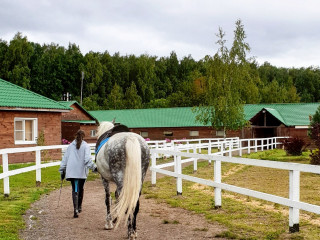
(130,192)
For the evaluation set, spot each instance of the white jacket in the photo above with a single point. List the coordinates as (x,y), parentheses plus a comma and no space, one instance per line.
(76,162)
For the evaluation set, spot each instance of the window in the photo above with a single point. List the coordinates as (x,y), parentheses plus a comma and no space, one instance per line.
(144,134)
(167,133)
(220,133)
(93,133)
(25,130)
(194,133)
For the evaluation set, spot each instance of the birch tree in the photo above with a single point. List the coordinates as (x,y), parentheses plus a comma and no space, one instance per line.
(227,78)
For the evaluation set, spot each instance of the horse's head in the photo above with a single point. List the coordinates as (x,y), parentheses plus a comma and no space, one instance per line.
(103,127)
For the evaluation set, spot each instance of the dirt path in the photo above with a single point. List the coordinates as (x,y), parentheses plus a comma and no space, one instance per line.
(46,221)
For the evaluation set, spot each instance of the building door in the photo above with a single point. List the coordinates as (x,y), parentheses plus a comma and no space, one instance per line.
(264,132)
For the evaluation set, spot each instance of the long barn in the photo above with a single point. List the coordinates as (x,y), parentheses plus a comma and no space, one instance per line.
(266,120)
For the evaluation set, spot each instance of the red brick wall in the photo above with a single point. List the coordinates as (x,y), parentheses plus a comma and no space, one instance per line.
(48,122)
(183,132)
(76,114)
(300,133)
(69,130)
(87,128)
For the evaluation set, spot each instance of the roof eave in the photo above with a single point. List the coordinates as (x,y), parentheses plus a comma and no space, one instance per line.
(33,109)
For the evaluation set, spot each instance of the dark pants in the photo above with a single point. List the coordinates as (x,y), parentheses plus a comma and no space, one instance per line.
(77,184)
(77,194)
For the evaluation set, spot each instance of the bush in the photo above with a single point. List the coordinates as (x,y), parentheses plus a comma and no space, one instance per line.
(294,146)
(315,136)
(315,157)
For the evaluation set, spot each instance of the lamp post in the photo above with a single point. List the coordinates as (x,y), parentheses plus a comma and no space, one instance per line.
(82,77)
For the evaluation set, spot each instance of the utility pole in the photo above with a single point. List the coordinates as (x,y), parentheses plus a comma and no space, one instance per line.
(82,77)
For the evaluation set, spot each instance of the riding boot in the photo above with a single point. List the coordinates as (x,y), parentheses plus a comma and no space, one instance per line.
(75,204)
(80,201)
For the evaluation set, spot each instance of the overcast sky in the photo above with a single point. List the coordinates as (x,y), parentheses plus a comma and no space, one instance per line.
(286,33)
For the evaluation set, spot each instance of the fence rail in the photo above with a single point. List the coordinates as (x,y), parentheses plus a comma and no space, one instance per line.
(183,148)
(293,200)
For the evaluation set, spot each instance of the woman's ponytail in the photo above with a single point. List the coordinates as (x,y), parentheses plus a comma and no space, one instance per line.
(79,137)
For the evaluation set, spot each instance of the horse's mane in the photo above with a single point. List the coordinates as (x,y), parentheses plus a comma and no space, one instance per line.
(103,127)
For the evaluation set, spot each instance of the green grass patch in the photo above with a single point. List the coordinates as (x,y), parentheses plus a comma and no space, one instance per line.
(23,192)
(244,217)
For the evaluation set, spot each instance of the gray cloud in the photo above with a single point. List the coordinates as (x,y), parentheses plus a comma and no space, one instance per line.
(284,33)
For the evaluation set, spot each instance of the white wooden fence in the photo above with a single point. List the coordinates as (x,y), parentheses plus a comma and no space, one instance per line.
(293,201)
(37,167)
(175,148)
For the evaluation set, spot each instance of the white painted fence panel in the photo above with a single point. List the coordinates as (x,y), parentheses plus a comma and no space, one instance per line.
(225,146)
(293,200)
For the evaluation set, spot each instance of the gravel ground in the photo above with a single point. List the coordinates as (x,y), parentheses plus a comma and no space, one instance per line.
(45,220)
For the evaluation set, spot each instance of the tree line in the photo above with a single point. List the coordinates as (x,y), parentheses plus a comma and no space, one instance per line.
(128,81)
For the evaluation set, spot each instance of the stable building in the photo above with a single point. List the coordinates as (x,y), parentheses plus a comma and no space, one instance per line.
(24,116)
(265,120)
(76,119)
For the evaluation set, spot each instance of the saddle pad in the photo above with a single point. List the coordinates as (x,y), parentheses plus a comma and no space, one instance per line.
(101,144)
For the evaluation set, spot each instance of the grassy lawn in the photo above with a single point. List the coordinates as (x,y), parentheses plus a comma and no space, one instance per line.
(23,192)
(245,217)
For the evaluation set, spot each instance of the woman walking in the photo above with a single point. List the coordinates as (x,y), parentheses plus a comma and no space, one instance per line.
(74,167)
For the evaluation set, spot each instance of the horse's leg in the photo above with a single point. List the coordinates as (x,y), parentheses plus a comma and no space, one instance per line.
(117,194)
(109,224)
(132,227)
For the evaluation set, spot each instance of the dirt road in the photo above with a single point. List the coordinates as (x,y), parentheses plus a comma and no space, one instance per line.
(155,221)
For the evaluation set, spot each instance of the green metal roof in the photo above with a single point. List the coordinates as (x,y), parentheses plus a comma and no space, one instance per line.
(276,114)
(70,103)
(80,121)
(290,114)
(14,96)
(148,118)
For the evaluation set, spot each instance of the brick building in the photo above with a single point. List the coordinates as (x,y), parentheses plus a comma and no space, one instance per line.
(265,120)
(78,118)
(24,116)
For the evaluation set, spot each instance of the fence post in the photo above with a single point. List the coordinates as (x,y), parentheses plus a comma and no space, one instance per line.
(5,168)
(195,166)
(240,148)
(38,170)
(294,194)
(230,148)
(217,179)
(262,142)
(222,148)
(178,170)
(249,146)
(209,149)
(153,165)
(157,146)
(256,145)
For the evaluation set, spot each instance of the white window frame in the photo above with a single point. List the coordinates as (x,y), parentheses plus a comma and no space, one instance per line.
(168,133)
(194,133)
(220,133)
(144,134)
(93,133)
(35,130)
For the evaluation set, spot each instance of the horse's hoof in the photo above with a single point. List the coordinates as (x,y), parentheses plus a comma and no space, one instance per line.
(108,226)
(133,236)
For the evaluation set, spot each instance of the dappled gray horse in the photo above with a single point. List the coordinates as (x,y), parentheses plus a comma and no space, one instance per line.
(122,158)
